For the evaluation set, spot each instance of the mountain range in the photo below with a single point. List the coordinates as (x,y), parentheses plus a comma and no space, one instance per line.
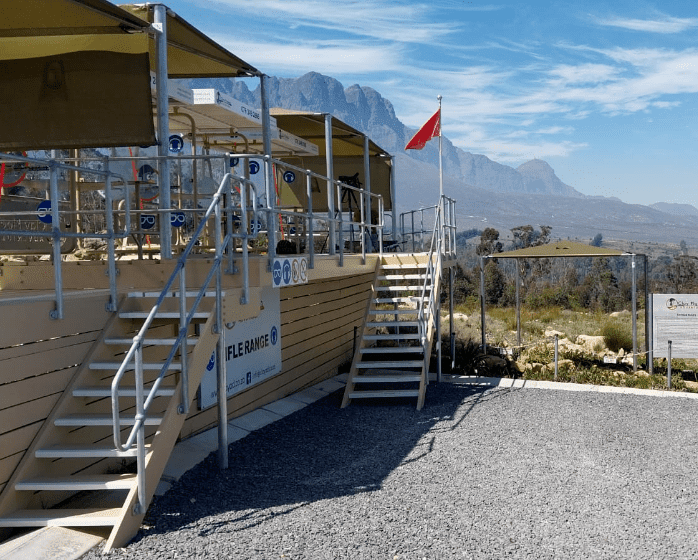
(487,193)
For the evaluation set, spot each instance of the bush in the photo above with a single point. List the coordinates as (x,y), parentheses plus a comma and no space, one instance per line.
(617,335)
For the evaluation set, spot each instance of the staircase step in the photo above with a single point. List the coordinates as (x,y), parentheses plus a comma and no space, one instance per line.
(403,288)
(386,378)
(201,315)
(101,391)
(389,277)
(102,420)
(146,366)
(386,365)
(392,350)
(79,483)
(390,324)
(403,266)
(383,394)
(400,336)
(409,299)
(93,517)
(149,341)
(393,311)
(175,294)
(78,451)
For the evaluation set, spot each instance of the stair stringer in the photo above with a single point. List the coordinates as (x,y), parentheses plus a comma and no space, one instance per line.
(164,440)
(12,499)
(370,305)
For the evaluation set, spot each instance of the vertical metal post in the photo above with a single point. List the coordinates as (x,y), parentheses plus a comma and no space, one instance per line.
(668,366)
(518,303)
(634,275)
(111,251)
(329,162)
(393,196)
(245,250)
(648,336)
(268,171)
(482,303)
(451,276)
(650,332)
(160,25)
(556,355)
(140,435)
(367,192)
(437,312)
(311,223)
(184,405)
(341,227)
(56,230)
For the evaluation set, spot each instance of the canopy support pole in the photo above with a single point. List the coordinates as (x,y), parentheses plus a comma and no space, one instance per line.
(482,303)
(518,305)
(634,274)
(160,24)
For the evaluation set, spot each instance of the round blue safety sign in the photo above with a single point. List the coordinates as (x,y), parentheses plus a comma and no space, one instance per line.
(177,219)
(274,335)
(176,143)
(287,272)
(234,161)
(254,168)
(145,172)
(43,211)
(147,221)
(212,362)
(276,273)
(255,226)
(289,176)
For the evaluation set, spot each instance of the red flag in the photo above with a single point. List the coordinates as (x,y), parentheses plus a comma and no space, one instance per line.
(431,129)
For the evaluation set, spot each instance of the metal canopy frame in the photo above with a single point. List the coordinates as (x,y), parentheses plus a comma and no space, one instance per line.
(568,249)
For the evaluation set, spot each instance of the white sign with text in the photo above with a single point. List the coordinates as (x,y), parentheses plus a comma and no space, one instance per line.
(252,351)
(675,318)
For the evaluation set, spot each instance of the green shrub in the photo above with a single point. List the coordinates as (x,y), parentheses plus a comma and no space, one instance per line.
(617,335)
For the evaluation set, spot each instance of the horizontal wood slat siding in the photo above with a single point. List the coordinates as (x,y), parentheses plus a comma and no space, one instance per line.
(317,336)
(38,358)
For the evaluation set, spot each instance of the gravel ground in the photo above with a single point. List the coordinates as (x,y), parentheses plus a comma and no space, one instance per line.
(516,473)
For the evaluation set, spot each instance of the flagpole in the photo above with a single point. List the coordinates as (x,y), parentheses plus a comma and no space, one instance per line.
(441,171)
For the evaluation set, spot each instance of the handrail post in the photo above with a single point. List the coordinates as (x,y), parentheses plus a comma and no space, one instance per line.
(341,226)
(311,224)
(56,230)
(221,370)
(245,256)
(111,253)
(184,377)
(668,362)
(140,424)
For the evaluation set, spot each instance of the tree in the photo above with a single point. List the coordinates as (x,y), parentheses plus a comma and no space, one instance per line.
(494,282)
(683,247)
(596,242)
(489,242)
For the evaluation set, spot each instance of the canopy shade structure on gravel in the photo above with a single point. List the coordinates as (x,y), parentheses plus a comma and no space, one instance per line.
(570,249)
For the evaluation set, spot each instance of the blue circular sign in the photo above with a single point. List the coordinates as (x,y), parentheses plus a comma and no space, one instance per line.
(177,219)
(234,161)
(255,226)
(276,273)
(254,168)
(212,362)
(274,335)
(287,272)
(43,211)
(289,176)
(147,221)
(145,172)
(176,143)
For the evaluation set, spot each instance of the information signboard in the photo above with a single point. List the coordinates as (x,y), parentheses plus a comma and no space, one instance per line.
(289,271)
(675,318)
(252,351)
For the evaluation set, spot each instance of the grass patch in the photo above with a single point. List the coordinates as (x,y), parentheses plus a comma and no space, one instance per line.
(617,335)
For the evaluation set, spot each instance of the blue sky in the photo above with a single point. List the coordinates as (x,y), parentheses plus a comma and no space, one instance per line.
(605,92)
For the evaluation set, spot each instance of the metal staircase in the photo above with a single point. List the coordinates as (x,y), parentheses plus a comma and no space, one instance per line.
(109,437)
(392,359)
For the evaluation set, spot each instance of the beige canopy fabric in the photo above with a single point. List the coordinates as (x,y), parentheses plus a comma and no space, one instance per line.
(190,53)
(559,249)
(73,73)
(348,151)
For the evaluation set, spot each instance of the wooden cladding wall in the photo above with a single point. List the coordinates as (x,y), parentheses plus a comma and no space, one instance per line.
(38,357)
(317,336)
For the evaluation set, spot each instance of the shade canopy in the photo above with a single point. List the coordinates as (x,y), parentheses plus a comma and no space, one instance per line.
(559,249)
(348,152)
(190,53)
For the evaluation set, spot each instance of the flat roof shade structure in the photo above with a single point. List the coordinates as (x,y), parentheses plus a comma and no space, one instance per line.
(559,249)
(348,152)
(190,53)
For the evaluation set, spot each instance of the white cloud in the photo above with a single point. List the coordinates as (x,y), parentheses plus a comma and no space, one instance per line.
(665,24)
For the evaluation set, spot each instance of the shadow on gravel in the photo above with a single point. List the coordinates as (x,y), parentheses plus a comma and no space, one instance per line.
(318,453)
